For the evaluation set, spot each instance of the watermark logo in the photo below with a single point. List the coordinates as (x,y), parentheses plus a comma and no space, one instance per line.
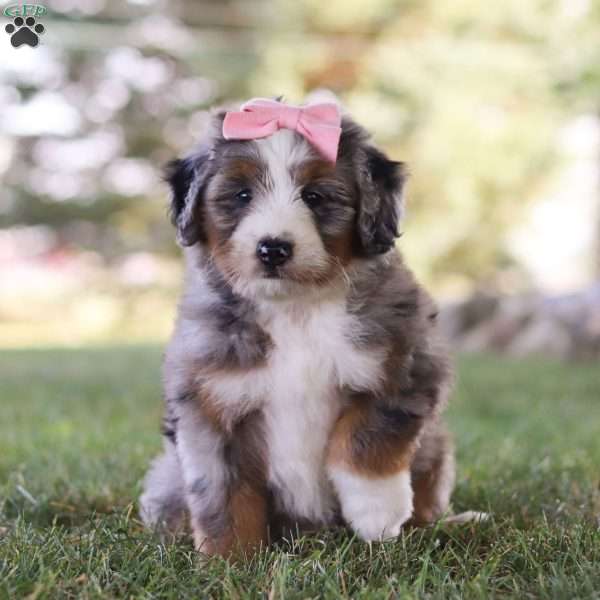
(25,29)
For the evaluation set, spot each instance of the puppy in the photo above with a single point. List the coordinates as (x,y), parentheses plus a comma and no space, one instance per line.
(303,382)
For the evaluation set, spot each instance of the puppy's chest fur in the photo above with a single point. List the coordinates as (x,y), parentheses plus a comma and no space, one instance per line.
(300,392)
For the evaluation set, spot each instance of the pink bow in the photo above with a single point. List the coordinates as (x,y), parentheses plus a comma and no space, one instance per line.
(260,117)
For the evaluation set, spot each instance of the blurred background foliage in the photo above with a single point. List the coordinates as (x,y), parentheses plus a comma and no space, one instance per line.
(495,107)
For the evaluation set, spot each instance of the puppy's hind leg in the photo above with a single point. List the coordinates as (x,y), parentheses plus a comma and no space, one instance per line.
(162,503)
(432,475)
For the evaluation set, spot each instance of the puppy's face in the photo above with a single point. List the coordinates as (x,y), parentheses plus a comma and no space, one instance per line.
(276,218)
(277,215)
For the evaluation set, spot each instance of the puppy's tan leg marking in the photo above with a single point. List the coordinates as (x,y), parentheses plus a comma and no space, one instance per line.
(247,528)
(361,444)
(369,463)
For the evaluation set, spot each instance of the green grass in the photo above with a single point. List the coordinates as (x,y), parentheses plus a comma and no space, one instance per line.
(77,429)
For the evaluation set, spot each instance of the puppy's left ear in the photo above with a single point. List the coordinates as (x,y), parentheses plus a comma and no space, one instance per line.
(381,183)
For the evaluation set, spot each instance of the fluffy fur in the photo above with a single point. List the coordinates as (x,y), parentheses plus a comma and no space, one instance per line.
(303,394)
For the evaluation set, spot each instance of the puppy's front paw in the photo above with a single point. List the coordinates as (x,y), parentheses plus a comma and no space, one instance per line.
(376,508)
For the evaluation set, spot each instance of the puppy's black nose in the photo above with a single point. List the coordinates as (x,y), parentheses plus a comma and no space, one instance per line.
(273,252)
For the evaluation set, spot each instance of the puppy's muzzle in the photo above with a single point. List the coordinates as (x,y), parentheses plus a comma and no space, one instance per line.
(274,252)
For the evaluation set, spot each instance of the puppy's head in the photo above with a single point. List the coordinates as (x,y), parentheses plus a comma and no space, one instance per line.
(276,217)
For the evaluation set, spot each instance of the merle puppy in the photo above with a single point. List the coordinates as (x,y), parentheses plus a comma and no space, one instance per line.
(304,381)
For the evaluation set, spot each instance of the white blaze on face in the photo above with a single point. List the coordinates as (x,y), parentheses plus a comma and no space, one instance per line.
(277,213)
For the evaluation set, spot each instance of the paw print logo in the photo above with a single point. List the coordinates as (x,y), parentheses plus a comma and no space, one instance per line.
(24,31)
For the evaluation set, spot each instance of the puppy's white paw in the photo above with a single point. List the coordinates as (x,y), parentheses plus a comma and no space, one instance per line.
(376,508)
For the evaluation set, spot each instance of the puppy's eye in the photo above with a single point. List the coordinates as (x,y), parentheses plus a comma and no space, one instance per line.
(244,196)
(311,197)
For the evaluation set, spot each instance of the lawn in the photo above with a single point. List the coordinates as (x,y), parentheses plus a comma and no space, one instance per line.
(77,428)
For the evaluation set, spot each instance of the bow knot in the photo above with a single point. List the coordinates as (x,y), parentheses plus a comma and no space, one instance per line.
(289,117)
(319,124)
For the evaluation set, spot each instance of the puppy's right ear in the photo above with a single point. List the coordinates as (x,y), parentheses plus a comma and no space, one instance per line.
(188,178)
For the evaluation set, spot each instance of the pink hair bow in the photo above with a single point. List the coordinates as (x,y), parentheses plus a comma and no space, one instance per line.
(319,124)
